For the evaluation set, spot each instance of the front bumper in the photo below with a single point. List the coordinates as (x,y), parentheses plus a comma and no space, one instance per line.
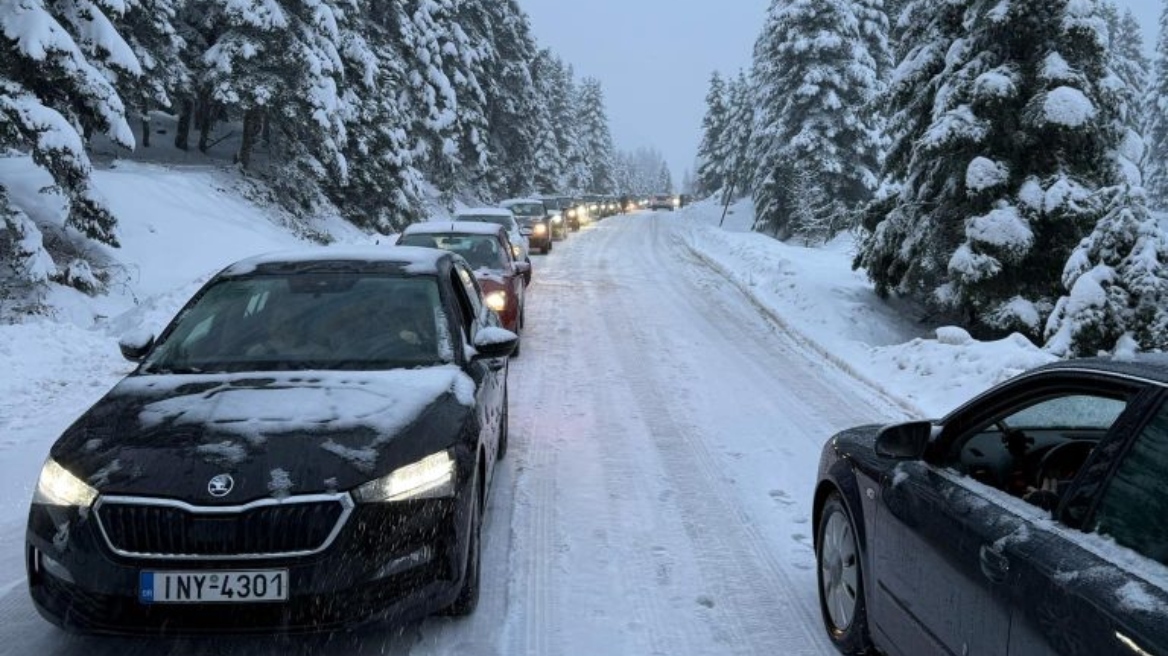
(392,562)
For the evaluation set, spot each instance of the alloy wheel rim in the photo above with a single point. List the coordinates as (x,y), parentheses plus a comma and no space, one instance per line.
(839,571)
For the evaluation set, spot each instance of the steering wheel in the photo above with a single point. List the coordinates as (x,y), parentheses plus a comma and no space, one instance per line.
(1062,462)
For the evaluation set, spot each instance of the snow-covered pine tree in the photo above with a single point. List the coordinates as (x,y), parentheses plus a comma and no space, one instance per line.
(384,192)
(813,215)
(734,149)
(569,130)
(1127,60)
(664,184)
(1118,284)
(894,253)
(595,137)
(548,158)
(1155,123)
(817,80)
(149,26)
(518,116)
(277,64)
(50,94)
(1000,172)
(711,170)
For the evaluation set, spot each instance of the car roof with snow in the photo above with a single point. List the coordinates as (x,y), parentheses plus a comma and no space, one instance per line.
(460,227)
(1152,367)
(406,259)
(485,211)
(515,201)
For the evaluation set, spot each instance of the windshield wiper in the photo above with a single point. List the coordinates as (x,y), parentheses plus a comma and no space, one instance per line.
(174,370)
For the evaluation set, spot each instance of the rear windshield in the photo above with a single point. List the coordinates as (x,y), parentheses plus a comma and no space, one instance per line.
(528,209)
(504,221)
(480,251)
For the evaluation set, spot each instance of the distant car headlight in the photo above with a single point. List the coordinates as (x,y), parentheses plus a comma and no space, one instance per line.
(557,219)
(431,477)
(540,229)
(572,213)
(497,301)
(516,251)
(57,487)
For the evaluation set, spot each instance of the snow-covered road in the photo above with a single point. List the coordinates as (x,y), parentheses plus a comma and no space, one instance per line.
(656,497)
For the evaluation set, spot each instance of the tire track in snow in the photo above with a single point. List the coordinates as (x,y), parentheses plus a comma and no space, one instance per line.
(532,598)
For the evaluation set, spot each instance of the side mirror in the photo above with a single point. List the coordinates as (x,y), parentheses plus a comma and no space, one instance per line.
(906,441)
(135,345)
(492,342)
(522,268)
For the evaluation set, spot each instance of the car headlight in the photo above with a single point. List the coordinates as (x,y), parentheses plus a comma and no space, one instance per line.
(557,219)
(540,229)
(516,251)
(571,213)
(497,301)
(57,487)
(429,478)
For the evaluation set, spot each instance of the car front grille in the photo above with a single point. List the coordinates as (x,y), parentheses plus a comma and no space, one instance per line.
(160,528)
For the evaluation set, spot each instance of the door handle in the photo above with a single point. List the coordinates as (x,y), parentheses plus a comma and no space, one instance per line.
(994,565)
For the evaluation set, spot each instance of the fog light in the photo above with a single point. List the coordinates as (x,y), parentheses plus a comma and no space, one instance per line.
(409,561)
(56,569)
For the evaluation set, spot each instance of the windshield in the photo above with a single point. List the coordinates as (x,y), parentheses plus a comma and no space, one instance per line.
(345,321)
(480,251)
(527,209)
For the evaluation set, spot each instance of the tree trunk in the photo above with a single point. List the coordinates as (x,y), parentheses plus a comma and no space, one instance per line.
(252,122)
(182,135)
(145,130)
(204,122)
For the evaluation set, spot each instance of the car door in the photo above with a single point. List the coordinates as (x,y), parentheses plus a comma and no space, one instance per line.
(943,579)
(489,375)
(1102,590)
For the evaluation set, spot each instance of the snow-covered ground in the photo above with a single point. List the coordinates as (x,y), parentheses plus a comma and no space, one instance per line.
(676,385)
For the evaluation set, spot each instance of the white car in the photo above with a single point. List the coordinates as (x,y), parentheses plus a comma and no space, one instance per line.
(520,247)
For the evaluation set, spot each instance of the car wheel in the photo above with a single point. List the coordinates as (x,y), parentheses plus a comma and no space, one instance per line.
(841,582)
(504,428)
(468,594)
(546,248)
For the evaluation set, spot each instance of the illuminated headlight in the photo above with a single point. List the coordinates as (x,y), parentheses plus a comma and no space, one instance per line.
(557,219)
(516,251)
(57,487)
(572,213)
(497,301)
(540,229)
(592,207)
(429,478)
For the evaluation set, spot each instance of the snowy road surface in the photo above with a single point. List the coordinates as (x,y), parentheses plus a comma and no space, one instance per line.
(664,440)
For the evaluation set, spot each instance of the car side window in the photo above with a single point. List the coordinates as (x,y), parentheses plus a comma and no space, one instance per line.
(1036,446)
(1134,509)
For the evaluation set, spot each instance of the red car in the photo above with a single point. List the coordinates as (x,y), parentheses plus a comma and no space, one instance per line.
(487,249)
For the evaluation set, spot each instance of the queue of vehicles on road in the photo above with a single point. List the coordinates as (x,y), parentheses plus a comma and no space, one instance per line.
(309,444)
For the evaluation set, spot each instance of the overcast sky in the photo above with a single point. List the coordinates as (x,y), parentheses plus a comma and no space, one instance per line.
(654,58)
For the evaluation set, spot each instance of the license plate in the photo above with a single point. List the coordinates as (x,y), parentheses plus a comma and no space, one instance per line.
(211,587)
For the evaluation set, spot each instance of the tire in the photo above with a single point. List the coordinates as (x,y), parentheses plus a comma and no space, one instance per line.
(468,594)
(504,429)
(840,579)
(546,249)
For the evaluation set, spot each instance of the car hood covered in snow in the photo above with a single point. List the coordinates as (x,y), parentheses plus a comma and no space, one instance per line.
(276,434)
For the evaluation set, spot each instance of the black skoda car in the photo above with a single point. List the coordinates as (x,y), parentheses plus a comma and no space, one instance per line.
(308,444)
(1032,520)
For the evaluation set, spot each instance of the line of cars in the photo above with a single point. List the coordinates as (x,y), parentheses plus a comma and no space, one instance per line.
(309,443)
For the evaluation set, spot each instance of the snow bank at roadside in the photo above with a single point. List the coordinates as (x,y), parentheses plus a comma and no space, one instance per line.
(815,294)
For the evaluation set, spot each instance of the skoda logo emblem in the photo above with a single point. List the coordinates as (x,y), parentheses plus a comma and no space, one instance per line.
(221,485)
